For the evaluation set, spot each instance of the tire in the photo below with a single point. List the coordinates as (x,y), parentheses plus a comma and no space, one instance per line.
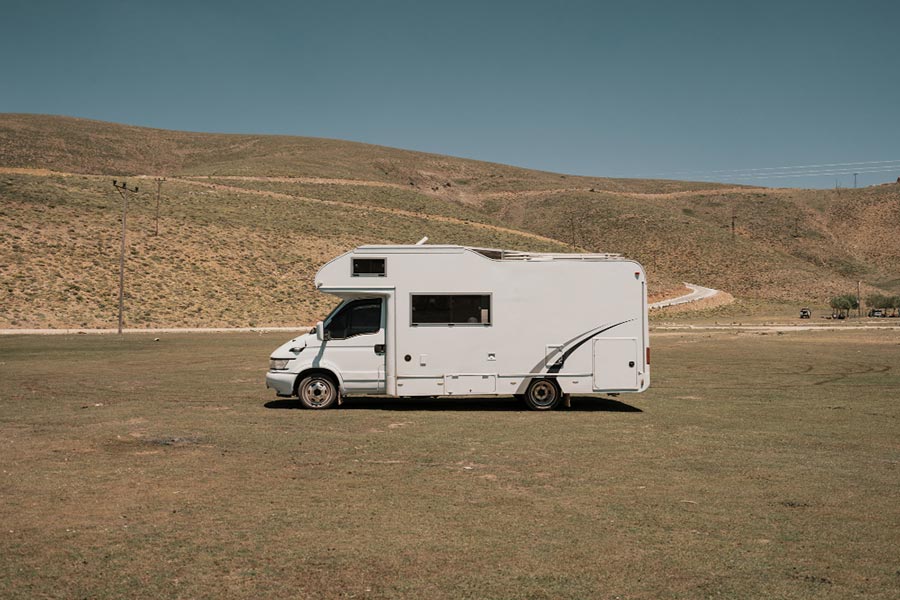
(543,394)
(317,391)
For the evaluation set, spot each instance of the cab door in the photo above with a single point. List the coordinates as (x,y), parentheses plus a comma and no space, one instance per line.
(355,344)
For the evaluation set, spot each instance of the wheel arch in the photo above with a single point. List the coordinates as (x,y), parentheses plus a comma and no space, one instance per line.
(338,382)
(534,382)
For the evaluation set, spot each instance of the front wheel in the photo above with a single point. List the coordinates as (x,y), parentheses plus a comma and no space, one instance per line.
(317,391)
(542,394)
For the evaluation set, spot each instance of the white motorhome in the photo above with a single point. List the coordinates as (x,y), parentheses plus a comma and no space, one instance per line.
(433,320)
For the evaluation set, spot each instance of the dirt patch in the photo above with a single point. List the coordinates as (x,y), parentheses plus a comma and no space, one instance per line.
(26,171)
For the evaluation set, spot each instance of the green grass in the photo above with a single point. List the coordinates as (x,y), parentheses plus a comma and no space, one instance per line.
(756,466)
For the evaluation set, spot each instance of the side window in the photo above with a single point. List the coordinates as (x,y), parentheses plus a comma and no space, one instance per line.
(365,318)
(356,318)
(368,267)
(451,309)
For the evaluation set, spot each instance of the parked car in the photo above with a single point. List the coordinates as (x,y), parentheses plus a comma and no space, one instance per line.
(877,312)
(805,313)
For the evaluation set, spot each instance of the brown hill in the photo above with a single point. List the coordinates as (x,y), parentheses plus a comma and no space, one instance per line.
(246,220)
(68,144)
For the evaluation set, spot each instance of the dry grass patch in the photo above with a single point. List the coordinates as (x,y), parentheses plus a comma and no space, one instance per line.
(223,258)
(756,466)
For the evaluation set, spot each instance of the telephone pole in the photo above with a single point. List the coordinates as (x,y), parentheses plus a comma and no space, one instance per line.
(159,182)
(859,299)
(854,180)
(123,190)
(733,219)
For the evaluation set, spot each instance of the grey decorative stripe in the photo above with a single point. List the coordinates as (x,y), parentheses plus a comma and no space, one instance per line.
(581,339)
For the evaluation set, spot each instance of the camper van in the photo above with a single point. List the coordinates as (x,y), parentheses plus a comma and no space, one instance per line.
(436,320)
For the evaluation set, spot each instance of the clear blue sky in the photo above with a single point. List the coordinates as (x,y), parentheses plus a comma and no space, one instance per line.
(621,89)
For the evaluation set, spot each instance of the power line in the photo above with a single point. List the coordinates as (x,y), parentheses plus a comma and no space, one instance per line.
(781,168)
(811,173)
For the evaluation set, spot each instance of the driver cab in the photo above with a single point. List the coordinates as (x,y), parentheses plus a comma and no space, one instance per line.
(353,337)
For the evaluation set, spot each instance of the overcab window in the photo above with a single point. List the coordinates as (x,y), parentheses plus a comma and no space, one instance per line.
(368,267)
(451,309)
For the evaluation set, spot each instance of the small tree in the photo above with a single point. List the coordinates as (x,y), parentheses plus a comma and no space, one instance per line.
(878,301)
(838,306)
(895,304)
(883,302)
(843,304)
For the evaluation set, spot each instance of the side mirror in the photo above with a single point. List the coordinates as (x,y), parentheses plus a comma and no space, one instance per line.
(320,331)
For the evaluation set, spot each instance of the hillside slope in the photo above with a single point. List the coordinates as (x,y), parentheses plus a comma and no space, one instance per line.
(246,220)
(94,147)
(223,257)
(787,245)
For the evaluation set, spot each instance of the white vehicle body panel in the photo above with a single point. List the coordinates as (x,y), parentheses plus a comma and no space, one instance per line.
(581,319)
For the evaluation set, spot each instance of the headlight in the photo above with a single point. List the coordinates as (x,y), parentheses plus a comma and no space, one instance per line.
(278,364)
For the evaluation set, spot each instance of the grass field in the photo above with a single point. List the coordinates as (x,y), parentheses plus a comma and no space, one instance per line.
(756,466)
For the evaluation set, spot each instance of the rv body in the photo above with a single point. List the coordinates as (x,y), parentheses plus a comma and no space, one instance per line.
(432,320)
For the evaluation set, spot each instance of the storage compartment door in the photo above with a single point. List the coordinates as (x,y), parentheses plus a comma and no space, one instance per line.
(469,385)
(615,364)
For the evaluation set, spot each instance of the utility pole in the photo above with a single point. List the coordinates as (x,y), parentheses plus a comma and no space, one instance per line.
(123,190)
(159,182)
(858,300)
(733,219)
(854,180)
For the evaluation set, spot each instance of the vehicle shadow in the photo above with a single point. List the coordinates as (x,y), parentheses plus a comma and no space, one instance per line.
(501,404)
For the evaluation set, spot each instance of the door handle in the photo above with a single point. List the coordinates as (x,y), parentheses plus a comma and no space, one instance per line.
(379,348)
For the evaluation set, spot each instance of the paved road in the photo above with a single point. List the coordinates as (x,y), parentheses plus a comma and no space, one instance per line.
(697,293)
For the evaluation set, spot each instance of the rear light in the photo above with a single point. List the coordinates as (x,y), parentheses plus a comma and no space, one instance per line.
(648,355)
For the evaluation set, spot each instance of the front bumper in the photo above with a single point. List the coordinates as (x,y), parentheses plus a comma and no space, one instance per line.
(281,382)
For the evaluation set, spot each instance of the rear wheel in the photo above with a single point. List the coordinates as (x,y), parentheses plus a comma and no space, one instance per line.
(542,394)
(317,391)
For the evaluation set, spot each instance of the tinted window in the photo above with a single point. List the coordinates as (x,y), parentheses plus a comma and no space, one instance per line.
(368,267)
(451,309)
(356,318)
